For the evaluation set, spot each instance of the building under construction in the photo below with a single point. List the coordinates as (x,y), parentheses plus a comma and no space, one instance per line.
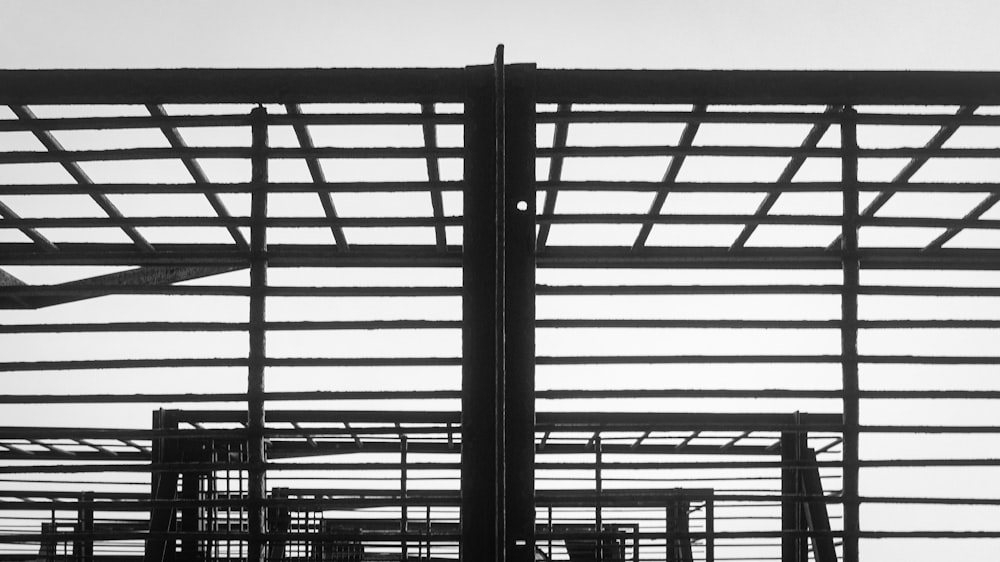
(499,313)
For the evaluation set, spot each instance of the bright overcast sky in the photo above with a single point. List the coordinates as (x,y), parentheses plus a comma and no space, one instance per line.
(780,34)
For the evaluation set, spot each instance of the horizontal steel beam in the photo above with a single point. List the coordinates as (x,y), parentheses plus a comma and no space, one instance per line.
(310,255)
(230,86)
(447,85)
(767,87)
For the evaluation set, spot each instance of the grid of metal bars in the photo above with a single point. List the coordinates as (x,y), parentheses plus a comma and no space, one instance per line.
(761,298)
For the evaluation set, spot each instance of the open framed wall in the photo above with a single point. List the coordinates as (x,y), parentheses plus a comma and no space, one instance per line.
(392,314)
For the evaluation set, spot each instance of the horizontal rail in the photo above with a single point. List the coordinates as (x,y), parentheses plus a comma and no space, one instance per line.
(554,86)
(767,87)
(230,86)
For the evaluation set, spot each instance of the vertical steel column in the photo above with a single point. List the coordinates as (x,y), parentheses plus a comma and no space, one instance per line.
(497,508)
(255,380)
(794,544)
(849,329)
(190,484)
(404,507)
(83,547)
(710,529)
(598,488)
(160,546)
(279,521)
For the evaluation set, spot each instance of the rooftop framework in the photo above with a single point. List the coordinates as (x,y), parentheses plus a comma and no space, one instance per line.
(682,315)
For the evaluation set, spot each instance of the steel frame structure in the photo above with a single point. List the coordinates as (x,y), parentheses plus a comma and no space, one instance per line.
(506,239)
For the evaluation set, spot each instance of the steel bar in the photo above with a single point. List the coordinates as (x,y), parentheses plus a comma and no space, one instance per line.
(562,185)
(71,158)
(764,117)
(559,137)
(311,255)
(163,490)
(849,332)
(498,276)
(701,324)
(304,325)
(257,357)
(669,176)
(230,86)
(758,359)
(974,214)
(229,152)
(912,167)
(434,175)
(794,548)
(916,153)
(130,283)
(447,85)
(374,222)
(287,222)
(481,451)
(318,177)
(148,278)
(197,174)
(26,366)
(787,175)
(275,187)
(36,237)
(751,187)
(40,295)
(767,87)
(925,222)
(53,148)
(242,120)
(403,493)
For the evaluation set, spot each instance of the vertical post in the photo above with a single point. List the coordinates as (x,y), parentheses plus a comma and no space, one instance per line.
(255,380)
(671,530)
(794,546)
(684,529)
(163,488)
(550,529)
(498,306)
(599,491)
(849,330)
(190,483)
(83,547)
(279,520)
(710,529)
(47,548)
(519,301)
(789,501)
(403,506)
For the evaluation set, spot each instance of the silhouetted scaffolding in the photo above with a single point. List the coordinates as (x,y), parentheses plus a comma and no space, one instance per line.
(502,313)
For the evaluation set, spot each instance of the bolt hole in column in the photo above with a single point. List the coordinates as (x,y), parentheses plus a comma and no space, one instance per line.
(522,205)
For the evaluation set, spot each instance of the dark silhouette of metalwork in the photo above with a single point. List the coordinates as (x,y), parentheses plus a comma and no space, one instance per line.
(253,482)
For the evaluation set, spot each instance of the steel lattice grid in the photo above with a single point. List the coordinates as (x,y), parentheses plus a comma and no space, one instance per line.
(139,197)
(690,262)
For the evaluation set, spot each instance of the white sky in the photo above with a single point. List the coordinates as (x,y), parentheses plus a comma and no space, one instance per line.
(707,34)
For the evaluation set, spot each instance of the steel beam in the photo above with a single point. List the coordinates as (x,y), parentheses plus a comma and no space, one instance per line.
(107,284)
(816,515)
(849,330)
(141,86)
(497,509)
(213,85)
(767,87)
(255,381)
(162,517)
(794,546)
